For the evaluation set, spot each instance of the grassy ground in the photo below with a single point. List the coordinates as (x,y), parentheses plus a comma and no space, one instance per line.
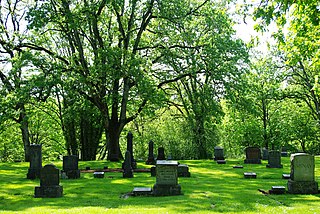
(212,188)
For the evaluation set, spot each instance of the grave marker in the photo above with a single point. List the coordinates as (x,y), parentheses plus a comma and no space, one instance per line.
(253,155)
(151,160)
(35,157)
(127,171)
(218,153)
(274,160)
(161,154)
(70,166)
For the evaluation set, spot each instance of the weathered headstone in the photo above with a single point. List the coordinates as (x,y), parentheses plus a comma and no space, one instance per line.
(166,178)
(265,154)
(302,178)
(218,153)
(130,149)
(253,155)
(70,167)
(35,157)
(183,170)
(49,183)
(161,154)
(151,160)
(127,170)
(274,160)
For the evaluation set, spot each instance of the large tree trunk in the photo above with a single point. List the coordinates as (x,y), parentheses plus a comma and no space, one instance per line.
(70,137)
(24,127)
(113,139)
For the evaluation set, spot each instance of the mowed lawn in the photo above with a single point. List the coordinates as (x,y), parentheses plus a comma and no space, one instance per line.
(212,188)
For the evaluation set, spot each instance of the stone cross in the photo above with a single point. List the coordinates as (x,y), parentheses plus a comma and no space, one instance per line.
(35,157)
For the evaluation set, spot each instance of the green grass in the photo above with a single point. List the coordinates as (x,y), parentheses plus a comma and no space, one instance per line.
(212,188)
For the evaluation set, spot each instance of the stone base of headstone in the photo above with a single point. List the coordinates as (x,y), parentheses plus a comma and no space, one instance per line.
(139,191)
(166,190)
(274,166)
(238,167)
(33,174)
(127,174)
(302,187)
(252,161)
(221,162)
(277,190)
(98,174)
(250,175)
(285,176)
(48,191)
(183,170)
(153,171)
(71,174)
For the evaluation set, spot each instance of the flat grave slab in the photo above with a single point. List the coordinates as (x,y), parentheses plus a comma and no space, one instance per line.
(277,190)
(221,162)
(98,174)
(250,175)
(238,167)
(142,191)
(285,176)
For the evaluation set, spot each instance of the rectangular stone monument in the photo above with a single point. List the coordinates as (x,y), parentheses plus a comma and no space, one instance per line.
(49,183)
(166,178)
(70,166)
(161,155)
(274,160)
(98,174)
(151,160)
(265,154)
(127,166)
(302,178)
(218,153)
(277,189)
(35,157)
(183,170)
(253,155)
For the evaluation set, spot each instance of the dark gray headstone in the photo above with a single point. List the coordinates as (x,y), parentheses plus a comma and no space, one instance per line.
(127,170)
(166,178)
(285,176)
(151,160)
(274,160)
(49,183)
(218,153)
(153,171)
(238,167)
(70,166)
(35,157)
(265,154)
(161,154)
(253,155)
(183,170)
(302,176)
(221,162)
(130,149)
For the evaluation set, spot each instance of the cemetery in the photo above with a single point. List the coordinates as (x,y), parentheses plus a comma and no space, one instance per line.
(212,188)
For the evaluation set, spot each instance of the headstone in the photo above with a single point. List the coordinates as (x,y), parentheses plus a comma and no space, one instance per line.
(161,154)
(250,175)
(169,157)
(253,155)
(35,157)
(70,167)
(302,177)
(265,154)
(218,153)
(166,178)
(49,183)
(130,149)
(274,160)
(98,174)
(88,168)
(142,191)
(183,170)
(277,189)
(151,160)
(127,170)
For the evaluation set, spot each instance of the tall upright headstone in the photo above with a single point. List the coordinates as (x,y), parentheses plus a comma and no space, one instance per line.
(151,160)
(161,154)
(218,153)
(127,168)
(253,155)
(70,166)
(130,149)
(166,178)
(49,183)
(35,157)
(302,176)
(274,159)
(265,154)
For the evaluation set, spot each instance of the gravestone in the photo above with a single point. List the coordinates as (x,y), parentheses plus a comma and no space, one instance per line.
(49,183)
(285,176)
(218,153)
(265,154)
(153,171)
(238,167)
(277,189)
(35,157)
(302,177)
(138,191)
(221,161)
(98,174)
(253,155)
(151,160)
(70,167)
(183,170)
(130,149)
(274,160)
(127,170)
(161,154)
(284,152)
(166,178)
(250,175)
